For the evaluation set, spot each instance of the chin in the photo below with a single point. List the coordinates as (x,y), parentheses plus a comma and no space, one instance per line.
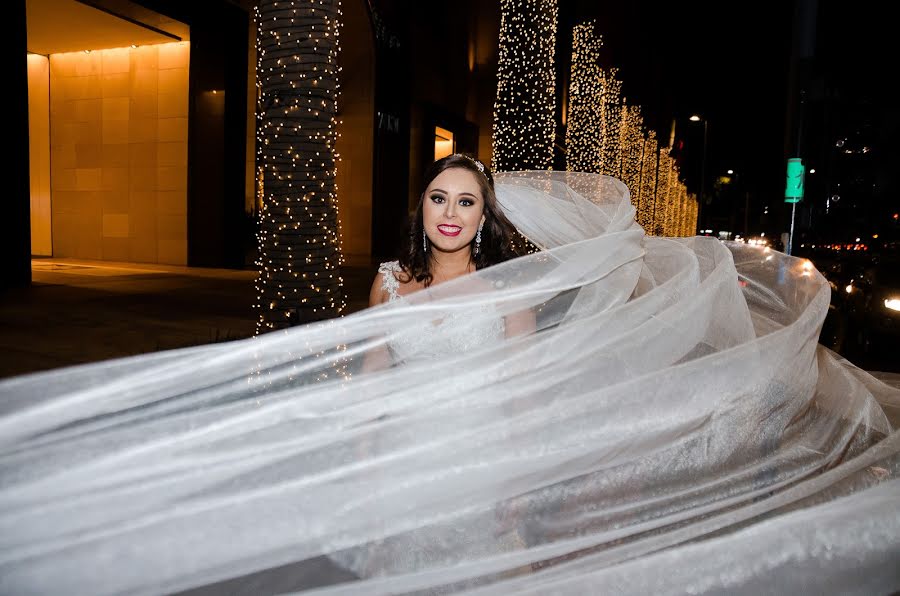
(455,247)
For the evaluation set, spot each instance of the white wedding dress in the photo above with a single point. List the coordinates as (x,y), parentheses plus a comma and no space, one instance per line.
(450,334)
(670,426)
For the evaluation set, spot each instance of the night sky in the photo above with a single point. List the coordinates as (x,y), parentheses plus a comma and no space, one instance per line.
(730,62)
(726,61)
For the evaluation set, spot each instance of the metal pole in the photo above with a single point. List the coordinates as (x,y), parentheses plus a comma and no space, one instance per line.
(791,235)
(702,173)
(747,214)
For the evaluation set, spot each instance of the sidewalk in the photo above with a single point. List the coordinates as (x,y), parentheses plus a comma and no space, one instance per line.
(85,311)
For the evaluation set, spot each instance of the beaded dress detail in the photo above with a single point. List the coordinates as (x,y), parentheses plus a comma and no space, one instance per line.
(452,333)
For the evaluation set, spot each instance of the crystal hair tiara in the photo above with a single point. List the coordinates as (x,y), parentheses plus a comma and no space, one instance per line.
(477,163)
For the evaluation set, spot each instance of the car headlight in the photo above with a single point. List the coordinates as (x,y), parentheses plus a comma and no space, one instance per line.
(892,303)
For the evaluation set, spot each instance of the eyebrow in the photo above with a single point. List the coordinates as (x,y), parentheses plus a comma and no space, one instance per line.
(462,194)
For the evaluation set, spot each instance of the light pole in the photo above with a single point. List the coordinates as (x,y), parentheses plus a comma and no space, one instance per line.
(697,118)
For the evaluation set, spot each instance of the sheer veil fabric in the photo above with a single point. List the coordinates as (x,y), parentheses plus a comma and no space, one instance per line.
(670,426)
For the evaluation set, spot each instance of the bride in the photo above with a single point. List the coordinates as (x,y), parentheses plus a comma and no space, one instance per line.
(457,228)
(611,413)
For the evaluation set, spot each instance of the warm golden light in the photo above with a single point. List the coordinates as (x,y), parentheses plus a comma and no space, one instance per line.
(604,134)
(443,143)
(524,126)
(584,122)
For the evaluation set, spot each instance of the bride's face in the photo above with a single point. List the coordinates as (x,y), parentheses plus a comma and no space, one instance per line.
(452,209)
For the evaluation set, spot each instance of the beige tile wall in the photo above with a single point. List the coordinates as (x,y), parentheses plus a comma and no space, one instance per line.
(118,153)
(39,153)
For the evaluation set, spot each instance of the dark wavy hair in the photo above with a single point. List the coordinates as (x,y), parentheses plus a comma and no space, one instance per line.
(497,235)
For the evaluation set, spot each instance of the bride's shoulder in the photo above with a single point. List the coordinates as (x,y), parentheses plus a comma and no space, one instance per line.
(390,267)
(386,283)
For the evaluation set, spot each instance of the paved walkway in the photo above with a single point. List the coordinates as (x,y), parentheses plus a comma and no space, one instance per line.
(85,311)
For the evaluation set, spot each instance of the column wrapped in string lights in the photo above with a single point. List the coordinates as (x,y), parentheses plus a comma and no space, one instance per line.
(663,178)
(677,206)
(584,121)
(647,204)
(666,215)
(611,160)
(299,228)
(690,224)
(692,215)
(632,147)
(524,123)
(682,210)
(671,225)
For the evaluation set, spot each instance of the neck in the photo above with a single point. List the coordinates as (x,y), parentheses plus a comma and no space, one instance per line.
(450,264)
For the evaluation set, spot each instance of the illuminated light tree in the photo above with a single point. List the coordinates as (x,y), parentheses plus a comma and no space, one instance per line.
(661,205)
(647,184)
(611,160)
(671,225)
(632,147)
(692,215)
(584,121)
(678,206)
(299,227)
(682,210)
(524,123)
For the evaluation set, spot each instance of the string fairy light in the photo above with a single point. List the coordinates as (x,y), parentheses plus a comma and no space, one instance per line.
(683,211)
(606,134)
(524,124)
(694,212)
(647,184)
(611,156)
(300,254)
(584,121)
(676,208)
(661,205)
(632,147)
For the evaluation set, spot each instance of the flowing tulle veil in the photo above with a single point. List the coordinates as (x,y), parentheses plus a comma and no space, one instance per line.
(670,426)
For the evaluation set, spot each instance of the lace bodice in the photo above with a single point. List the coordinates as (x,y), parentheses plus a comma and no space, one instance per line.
(453,333)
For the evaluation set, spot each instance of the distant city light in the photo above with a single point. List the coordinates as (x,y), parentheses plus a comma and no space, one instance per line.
(812,170)
(730,172)
(695,118)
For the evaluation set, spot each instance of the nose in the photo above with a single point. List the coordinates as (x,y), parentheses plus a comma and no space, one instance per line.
(450,210)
